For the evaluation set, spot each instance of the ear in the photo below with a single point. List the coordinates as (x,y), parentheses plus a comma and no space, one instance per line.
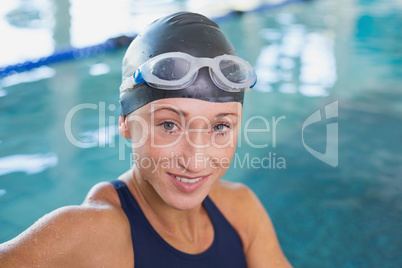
(124,128)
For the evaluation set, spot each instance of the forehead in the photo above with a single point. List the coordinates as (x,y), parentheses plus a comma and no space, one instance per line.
(193,107)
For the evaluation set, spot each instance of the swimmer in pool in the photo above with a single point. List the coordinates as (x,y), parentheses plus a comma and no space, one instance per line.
(181,105)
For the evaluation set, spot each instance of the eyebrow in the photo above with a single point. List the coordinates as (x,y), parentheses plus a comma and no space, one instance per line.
(185,114)
(179,112)
(225,114)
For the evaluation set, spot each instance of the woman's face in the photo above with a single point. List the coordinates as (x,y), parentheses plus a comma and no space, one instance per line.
(181,147)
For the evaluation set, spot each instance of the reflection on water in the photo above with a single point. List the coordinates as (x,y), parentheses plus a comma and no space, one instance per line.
(93,22)
(29,76)
(100,137)
(99,69)
(30,164)
(296,59)
(2,94)
(26,28)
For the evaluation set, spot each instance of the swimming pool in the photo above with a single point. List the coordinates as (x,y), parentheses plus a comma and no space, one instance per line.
(340,58)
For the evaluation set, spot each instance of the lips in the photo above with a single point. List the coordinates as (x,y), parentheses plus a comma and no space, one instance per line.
(187,184)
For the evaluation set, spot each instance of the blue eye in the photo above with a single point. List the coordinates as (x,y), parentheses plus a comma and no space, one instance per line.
(221,127)
(169,125)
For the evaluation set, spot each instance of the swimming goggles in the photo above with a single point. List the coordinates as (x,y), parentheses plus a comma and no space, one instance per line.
(178,70)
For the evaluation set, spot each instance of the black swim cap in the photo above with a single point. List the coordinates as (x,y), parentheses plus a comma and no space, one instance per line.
(186,32)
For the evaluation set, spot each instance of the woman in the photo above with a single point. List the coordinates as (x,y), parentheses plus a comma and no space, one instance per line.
(181,102)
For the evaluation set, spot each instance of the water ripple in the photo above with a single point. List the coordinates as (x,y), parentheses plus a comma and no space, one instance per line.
(28,163)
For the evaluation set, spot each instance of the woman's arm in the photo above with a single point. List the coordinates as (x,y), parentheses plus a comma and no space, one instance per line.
(50,241)
(75,236)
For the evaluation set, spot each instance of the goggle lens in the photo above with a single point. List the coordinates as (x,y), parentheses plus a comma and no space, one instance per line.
(233,71)
(171,69)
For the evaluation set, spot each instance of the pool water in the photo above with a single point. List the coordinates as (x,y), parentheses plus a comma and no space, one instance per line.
(331,182)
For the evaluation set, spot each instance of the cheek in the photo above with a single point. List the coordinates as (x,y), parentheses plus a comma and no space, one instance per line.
(225,151)
(149,141)
(160,139)
(225,144)
(222,157)
(151,160)
(229,140)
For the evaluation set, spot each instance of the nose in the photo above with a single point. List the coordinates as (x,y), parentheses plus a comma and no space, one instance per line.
(193,156)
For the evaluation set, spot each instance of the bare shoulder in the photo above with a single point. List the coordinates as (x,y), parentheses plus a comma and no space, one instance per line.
(88,235)
(232,197)
(242,208)
(103,193)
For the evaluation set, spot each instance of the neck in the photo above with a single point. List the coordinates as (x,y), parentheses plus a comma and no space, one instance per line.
(161,215)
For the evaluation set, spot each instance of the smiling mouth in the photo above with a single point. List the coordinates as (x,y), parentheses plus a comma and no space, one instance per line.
(188,184)
(187,180)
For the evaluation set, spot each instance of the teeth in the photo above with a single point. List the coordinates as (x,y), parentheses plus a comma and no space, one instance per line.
(187,180)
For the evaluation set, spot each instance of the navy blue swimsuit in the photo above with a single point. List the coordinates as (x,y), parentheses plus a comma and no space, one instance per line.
(151,250)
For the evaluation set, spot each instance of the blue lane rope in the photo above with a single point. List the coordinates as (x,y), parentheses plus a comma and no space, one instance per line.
(67,54)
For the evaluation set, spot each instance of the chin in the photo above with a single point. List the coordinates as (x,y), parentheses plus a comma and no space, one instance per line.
(186,202)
